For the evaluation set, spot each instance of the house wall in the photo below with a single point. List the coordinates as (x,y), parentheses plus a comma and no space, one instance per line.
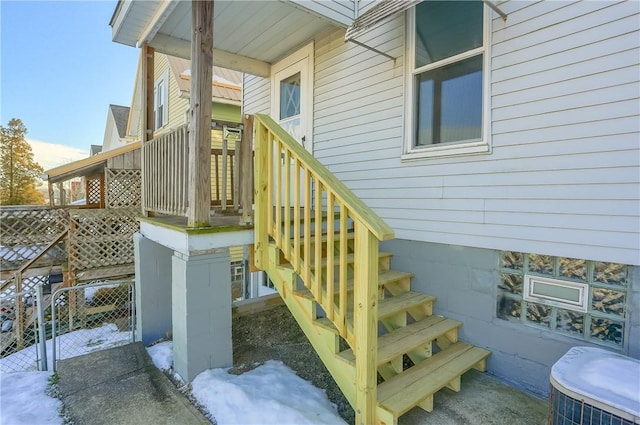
(563,175)
(562,179)
(464,280)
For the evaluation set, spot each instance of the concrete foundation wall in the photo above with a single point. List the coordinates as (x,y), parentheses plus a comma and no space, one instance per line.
(465,282)
(153,289)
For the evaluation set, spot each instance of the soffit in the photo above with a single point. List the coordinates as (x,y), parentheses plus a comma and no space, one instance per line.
(261,30)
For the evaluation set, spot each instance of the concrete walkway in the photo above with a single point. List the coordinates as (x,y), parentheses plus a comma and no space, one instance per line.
(122,386)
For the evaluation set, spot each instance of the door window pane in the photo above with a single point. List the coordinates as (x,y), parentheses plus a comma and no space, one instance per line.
(290,96)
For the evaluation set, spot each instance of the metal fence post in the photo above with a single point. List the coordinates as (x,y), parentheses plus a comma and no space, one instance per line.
(42,335)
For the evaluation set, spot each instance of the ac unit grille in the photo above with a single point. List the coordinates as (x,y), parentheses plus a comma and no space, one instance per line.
(566,410)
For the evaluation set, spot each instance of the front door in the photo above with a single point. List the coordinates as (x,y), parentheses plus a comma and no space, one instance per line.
(292,90)
(292,87)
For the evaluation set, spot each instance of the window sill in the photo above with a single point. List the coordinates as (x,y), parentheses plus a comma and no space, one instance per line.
(447,150)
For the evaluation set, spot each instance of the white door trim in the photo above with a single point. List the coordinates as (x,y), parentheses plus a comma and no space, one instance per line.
(305,55)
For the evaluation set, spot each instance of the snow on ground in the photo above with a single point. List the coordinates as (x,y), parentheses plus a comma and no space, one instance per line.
(23,399)
(72,344)
(269,394)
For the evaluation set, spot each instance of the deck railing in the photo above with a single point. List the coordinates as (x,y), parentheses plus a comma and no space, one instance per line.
(165,174)
(301,206)
(165,162)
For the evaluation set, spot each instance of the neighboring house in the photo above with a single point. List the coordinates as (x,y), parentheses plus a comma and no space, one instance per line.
(499,143)
(171,96)
(116,127)
(95,149)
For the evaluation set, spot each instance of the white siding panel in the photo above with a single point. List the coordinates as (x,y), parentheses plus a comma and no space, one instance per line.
(563,177)
(256,92)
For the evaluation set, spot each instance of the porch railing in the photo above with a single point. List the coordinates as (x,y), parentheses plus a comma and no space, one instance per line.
(301,206)
(165,162)
(165,171)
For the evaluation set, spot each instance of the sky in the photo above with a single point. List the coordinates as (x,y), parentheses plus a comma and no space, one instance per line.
(277,395)
(59,71)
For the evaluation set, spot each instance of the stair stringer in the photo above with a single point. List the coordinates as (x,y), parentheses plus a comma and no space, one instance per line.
(322,339)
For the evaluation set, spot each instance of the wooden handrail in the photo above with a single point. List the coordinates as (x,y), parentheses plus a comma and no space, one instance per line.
(328,235)
(364,213)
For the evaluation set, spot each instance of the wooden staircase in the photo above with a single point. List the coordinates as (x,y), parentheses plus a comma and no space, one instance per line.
(381,342)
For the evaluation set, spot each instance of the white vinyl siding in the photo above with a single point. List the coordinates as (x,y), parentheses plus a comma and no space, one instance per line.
(255,95)
(564,175)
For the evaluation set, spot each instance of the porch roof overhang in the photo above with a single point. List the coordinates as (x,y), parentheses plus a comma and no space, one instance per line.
(248,35)
(86,166)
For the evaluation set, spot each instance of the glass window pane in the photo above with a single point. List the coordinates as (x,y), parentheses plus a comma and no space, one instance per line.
(450,103)
(511,282)
(611,273)
(541,264)
(570,321)
(607,330)
(511,260)
(538,314)
(608,301)
(446,28)
(290,96)
(508,308)
(573,268)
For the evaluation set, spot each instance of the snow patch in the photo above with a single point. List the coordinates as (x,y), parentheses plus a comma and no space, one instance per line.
(23,399)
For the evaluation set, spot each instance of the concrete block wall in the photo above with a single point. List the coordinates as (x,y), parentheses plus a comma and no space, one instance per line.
(464,280)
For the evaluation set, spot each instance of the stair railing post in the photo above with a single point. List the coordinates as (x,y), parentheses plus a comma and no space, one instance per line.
(261,199)
(366,323)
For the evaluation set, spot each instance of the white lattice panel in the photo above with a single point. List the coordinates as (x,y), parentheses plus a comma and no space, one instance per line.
(102,238)
(123,188)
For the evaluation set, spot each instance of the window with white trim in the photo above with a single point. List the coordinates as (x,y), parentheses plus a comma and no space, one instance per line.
(161,101)
(446,106)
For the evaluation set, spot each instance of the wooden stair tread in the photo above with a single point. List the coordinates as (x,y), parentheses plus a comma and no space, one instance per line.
(407,389)
(402,302)
(351,259)
(407,338)
(385,277)
(336,237)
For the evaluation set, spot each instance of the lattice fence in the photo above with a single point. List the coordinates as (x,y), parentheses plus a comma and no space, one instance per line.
(123,188)
(101,238)
(94,191)
(26,231)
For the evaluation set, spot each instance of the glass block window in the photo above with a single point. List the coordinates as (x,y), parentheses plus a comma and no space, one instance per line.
(604,320)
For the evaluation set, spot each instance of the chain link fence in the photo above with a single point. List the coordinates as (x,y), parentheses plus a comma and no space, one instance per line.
(20,342)
(37,329)
(92,317)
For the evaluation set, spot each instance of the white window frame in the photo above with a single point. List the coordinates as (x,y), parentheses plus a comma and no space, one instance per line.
(162,80)
(483,146)
(531,294)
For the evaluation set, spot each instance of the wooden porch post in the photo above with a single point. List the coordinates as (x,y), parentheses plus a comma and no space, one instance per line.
(199,186)
(52,201)
(63,200)
(245,164)
(146,60)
